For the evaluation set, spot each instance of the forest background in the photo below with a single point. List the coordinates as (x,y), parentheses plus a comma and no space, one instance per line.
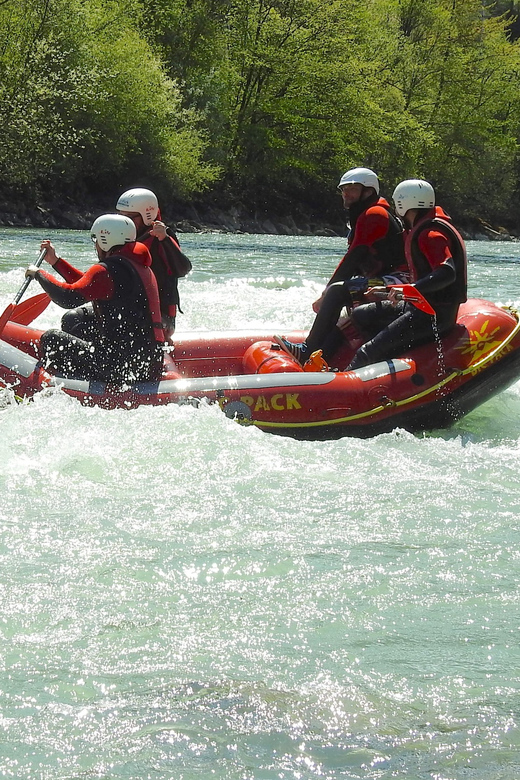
(238,111)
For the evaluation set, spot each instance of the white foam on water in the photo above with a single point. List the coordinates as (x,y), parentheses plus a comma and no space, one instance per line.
(185,597)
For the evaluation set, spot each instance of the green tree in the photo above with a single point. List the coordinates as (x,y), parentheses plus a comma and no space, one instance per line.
(456,71)
(86,101)
(271,98)
(286,106)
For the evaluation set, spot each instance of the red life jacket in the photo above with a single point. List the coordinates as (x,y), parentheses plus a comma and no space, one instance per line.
(420,265)
(134,256)
(368,256)
(169,263)
(138,257)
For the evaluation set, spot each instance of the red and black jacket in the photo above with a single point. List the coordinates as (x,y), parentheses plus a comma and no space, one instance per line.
(436,256)
(169,263)
(376,245)
(124,292)
(136,297)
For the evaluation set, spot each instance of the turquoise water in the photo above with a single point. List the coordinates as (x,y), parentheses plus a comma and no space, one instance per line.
(185,598)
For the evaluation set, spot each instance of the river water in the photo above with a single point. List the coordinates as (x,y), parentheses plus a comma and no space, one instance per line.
(185,598)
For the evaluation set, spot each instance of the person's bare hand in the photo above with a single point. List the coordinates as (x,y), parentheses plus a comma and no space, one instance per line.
(158,230)
(379,293)
(50,255)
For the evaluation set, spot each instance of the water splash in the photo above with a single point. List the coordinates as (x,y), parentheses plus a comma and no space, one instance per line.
(186,597)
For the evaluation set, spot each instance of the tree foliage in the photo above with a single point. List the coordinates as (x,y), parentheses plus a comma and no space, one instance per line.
(84,100)
(295,91)
(266,100)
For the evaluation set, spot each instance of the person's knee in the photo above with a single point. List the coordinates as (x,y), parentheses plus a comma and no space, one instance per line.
(50,340)
(80,323)
(338,293)
(70,321)
(360,359)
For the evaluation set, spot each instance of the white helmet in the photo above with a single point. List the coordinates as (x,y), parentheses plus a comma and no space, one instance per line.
(363,176)
(413,194)
(139,201)
(112,230)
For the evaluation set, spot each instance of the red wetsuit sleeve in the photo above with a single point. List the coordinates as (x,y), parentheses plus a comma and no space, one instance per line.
(435,246)
(94,285)
(371,226)
(67,271)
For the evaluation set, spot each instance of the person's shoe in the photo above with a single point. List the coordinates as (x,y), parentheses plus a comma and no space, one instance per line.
(297,351)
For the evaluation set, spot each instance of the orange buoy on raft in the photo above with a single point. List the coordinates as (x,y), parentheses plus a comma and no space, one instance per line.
(264,357)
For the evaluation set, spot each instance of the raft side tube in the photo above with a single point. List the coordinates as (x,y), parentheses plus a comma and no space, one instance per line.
(16,360)
(353,396)
(245,382)
(385,368)
(79,385)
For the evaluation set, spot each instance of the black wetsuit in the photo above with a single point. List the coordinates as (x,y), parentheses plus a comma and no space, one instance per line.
(376,248)
(437,258)
(169,264)
(122,340)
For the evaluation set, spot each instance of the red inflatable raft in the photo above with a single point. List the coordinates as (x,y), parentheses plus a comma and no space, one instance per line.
(256,383)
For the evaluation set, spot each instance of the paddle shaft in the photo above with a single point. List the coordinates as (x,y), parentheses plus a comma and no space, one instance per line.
(28,280)
(12,306)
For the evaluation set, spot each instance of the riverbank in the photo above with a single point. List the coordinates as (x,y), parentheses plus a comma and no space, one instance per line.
(183,218)
(201,218)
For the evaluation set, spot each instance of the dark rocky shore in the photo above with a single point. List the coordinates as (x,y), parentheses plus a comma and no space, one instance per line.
(183,219)
(203,219)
